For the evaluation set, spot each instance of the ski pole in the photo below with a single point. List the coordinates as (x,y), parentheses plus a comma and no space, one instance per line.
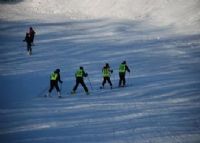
(114,78)
(42,92)
(60,87)
(129,79)
(90,82)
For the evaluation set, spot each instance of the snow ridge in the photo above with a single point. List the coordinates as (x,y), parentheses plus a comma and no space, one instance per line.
(158,12)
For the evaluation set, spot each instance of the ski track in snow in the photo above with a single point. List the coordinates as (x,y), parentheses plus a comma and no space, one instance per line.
(161,103)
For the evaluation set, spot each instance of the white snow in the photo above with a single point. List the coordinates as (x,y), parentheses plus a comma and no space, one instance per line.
(159,39)
(180,13)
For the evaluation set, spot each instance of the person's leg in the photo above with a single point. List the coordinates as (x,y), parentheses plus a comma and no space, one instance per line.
(51,88)
(84,86)
(57,89)
(104,81)
(76,86)
(27,47)
(123,80)
(109,81)
(120,79)
(30,50)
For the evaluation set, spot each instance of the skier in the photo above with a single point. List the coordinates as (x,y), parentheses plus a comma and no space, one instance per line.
(54,79)
(80,74)
(122,73)
(27,39)
(32,34)
(106,75)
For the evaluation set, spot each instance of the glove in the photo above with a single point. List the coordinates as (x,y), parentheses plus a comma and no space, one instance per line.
(111,71)
(61,81)
(86,74)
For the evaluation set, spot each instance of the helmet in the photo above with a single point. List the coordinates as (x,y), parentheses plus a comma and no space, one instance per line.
(81,68)
(57,70)
(124,62)
(107,65)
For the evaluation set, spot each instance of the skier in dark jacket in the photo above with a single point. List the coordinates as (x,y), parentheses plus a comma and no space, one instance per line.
(122,73)
(54,79)
(27,39)
(80,74)
(32,34)
(106,75)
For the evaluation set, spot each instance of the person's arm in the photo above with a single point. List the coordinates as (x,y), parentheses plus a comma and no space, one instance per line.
(85,74)
(25,39)
(59,79)
(110,70)
(127,68)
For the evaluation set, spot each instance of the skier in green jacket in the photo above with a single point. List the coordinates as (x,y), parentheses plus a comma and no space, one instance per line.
(122,73)
(80,74)
(106,75)
(54,79)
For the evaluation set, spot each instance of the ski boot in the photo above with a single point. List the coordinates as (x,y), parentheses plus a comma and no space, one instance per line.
(73,92)
(47,95)
(59,95)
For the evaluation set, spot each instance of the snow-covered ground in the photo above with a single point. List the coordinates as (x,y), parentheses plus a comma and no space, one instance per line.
(161,103)
(183,14)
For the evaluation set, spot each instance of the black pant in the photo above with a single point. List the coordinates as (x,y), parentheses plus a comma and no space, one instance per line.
(122,80)
(106,79)
(29,49)
(81,81)
(53,84)
(32,39)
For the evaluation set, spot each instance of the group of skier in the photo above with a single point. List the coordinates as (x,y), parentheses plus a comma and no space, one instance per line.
(29,39)
(80,74)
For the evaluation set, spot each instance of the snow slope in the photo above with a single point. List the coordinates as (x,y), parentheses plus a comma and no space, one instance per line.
(160,105)
(180,13)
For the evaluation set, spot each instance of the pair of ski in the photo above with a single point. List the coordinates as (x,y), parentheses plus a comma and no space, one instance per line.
(83,93)
(115,87)
(101,87)
(61,97)
(47,96)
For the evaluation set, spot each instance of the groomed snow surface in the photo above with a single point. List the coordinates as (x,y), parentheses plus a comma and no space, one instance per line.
(161,103)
